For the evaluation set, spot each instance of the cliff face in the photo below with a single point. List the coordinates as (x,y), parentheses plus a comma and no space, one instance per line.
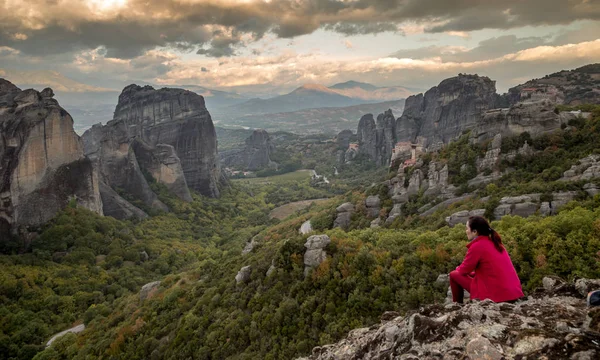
(42,165)
(178,118)
(377,138)
(256,155)
(110,149)
(446,110)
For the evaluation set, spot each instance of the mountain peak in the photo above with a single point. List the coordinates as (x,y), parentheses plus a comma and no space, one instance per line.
(353,84)
(313,87)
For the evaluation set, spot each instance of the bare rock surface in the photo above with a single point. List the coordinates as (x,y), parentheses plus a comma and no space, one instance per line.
(551,324)
(315,253)
(42,164)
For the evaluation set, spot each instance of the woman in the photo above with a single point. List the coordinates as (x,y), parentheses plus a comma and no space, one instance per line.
(487,271)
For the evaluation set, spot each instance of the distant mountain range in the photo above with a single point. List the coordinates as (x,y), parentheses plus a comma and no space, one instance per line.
(89,104)
(313,96)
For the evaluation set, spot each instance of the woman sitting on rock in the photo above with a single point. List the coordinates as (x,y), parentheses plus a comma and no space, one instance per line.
(487,271)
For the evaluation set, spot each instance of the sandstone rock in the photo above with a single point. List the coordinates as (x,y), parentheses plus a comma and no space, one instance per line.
(306,227)
(437,179)
(461,217)
(525,209)
(256,155)
(445,111)
(367,137)
(164,165)
(114,205)
(110,148)
(243,275)
(481,348)
(343,139)
(373,206)
(42,165)
(394,213)
(376,139)
(178,118)
(148,290)
(315,254)
(373,201)
(345,207)
(536,117)
(342,220)
(592,189)
(375,223)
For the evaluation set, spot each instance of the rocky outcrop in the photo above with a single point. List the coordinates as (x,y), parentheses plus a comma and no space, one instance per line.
(110,148)
(344,138)
(446,110)
(367,136)
(42,165)
(243,275)
(149,290)
(534,117)
(585,169)
(377,139)
(178,118)
(437,178)
(344,214)
(305,228)
(461,217)
(163,164)
(373,205)
(549,324)
(255,155)
(315,253)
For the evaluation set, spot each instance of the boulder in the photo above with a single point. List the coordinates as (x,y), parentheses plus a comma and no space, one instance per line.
(243,275)
(342,220)
(345,207)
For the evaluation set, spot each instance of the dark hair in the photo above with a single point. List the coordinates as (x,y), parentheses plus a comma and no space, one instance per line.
(481,225)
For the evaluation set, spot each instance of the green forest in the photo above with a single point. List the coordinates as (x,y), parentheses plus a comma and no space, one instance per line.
(82,268)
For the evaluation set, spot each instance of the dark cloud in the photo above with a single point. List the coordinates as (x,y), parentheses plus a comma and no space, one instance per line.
(59,27)
(361,29)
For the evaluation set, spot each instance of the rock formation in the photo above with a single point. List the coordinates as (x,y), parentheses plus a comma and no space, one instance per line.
(42,165)
(178,118)
(148,290)
(315,253)
(243,275)
(446,110)
(344,214)
(377,139)
(165,134)
(344,138)
(550,324)
(256,155)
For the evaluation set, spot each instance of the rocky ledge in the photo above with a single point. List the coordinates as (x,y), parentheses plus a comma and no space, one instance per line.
(552,323)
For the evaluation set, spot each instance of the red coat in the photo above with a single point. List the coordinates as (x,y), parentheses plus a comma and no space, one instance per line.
(495,276)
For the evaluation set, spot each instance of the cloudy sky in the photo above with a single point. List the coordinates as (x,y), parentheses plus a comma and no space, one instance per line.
(273,46)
